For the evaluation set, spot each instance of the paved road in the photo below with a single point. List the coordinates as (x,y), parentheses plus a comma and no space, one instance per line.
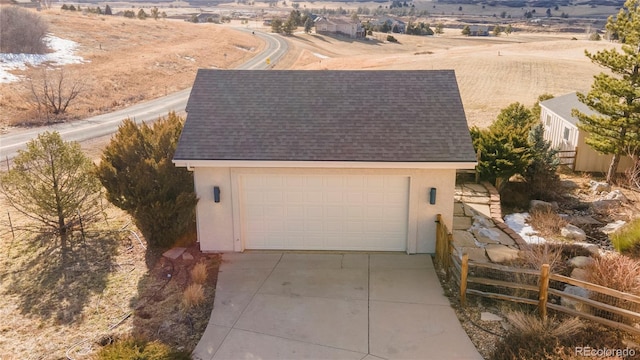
(106,124)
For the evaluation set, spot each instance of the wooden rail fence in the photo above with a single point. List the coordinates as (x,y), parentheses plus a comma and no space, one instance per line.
(541,288)
(568,157)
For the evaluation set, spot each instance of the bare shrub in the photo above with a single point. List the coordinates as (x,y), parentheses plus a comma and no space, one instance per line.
(532,324)
(199,273)
(52,91)
(547,222)
(535,256)
(617,272)
(531,337)
(193,296)
(22,31)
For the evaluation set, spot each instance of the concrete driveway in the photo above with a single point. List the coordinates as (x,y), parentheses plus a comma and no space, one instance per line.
(285,305)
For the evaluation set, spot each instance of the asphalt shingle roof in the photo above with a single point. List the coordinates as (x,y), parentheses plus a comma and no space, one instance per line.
(563,105)
(383,116)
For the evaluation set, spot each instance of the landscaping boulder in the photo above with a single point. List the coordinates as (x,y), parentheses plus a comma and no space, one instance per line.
(568,184)
(593,248)
(615,195)
(579,274)
(604,206)
(580,261)
(573,232)
(539,205)
(573,304)
(501,253)
(611,228)
(598,187)
(487,316)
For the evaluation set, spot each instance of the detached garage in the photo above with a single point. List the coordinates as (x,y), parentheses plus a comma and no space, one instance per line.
(324,160)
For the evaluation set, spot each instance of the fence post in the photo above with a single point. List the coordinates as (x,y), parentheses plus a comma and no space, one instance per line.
(463,278)
(575,158)
(447,250)
(544,289)
(478,156)
(439,240)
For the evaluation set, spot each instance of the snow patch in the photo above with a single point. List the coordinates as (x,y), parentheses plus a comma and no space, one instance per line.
(518,223)
(63,53)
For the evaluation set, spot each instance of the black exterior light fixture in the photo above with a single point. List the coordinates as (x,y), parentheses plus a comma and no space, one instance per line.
(432,196)
(216,194)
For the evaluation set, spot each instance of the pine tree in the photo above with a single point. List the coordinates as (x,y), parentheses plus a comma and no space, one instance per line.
(504,146)
(497,30)
(616,128)
(276,26)
(107,10)
(139,177)
(51,183)
(466,30)
(308,25)
(541,172)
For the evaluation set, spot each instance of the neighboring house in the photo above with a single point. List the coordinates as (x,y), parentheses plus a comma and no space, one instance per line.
(315,160)
(479,30)
(562,131)
(340,26)
(208,17)
(394,25)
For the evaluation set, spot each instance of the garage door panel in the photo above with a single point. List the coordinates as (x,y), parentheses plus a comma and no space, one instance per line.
(324,212)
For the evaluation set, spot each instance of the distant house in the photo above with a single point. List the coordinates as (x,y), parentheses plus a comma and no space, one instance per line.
(340,26)
(479,30)
(562,131)
(208,17)
(394,25)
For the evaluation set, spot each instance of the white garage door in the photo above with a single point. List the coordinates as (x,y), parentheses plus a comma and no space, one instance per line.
(324,212)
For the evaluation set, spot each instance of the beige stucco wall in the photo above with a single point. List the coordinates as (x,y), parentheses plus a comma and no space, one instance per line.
(220,230)
(590,160)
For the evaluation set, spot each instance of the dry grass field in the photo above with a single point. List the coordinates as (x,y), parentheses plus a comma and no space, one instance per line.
(492,72)
(130,60)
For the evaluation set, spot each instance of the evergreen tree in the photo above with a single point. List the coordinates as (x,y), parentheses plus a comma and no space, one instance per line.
(289,26)
(137,171)
(308,25)
(276,26)
(107,10)
(51,183)
(155,13)
(508,30)
(541,172)
(504,146)
(616,97)
(141,14)
(439,28)
(535,110)
(466,30)
(497,30)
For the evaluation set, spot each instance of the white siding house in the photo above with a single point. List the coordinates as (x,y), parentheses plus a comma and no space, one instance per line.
(340,26)
(307,160)
(562,131)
